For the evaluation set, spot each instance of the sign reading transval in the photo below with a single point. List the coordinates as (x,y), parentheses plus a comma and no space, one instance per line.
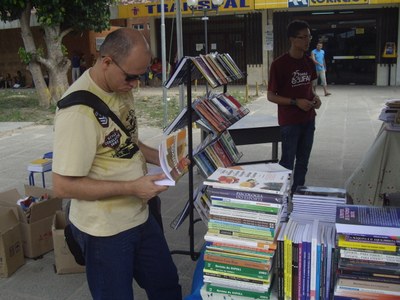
(153,9)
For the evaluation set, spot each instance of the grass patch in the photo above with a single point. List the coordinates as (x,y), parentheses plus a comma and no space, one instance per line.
(22,105)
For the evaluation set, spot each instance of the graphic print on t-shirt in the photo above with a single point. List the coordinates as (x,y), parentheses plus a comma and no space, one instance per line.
(300,78)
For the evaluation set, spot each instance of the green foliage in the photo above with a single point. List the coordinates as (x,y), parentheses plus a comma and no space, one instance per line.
(64,50)
(78,14)
(26,57)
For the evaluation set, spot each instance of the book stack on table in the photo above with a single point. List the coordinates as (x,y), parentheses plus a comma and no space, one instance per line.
(368,241)
(246,210)
(306,245)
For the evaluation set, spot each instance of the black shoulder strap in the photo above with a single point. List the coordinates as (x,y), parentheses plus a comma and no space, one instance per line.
(87,98)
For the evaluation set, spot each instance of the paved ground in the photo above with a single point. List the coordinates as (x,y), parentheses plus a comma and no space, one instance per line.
(347,124)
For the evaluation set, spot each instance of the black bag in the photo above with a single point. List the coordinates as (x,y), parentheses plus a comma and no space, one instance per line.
(73,245)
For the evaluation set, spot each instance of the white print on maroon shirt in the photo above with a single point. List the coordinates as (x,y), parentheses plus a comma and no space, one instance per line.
(300,78)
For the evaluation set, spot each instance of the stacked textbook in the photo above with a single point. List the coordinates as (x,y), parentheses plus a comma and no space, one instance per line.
(368,242)
(305,246)
(246,209)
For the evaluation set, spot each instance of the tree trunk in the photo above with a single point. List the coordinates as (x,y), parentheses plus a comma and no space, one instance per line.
(34,67)
(56,64)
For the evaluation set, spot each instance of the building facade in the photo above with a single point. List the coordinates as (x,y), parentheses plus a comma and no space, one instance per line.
(360,36)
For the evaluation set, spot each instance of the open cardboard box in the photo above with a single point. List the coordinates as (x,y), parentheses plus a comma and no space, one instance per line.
(36,230)
(11,254)
(64,261)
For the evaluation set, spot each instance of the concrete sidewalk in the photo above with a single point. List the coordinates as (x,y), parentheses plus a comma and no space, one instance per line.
(347,124)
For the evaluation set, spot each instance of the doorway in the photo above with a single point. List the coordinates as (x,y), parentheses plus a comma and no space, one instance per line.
(350,43)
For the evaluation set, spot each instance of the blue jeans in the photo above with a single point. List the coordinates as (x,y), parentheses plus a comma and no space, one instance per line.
(140,253)
(297,141)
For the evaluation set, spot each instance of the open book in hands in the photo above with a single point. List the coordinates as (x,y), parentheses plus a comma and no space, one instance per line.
(173,162)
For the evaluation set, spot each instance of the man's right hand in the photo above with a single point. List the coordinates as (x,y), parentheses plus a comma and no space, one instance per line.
(145,188)
(304,104)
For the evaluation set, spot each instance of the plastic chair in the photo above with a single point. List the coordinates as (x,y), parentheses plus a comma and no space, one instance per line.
(31,178)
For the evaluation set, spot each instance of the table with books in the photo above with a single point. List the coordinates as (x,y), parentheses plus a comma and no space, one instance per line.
(378,172)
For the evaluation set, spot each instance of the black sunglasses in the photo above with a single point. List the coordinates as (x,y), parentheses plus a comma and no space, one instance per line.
(128,77)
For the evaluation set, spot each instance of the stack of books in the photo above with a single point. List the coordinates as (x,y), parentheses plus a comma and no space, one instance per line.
(246,208)
(305,248)
(312,202)
(40,165)
(368,243)
(390,114)
(304,264)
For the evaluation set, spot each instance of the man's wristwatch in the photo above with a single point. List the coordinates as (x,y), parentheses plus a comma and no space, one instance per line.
(293,101)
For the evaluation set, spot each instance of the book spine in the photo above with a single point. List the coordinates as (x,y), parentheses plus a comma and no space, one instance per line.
(240,234)
(366,246)
(267,225)
(245,195)
(372,239)
(243,214)
(235,277)
(236,283)
(237,292)
(239,247)
(288,268)
(369,256)
(237,270)
(237,262)
(245,205)
(262,244)
(240,228)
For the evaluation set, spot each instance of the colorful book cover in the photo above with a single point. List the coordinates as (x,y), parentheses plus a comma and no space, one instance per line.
(248,180)
(373,220)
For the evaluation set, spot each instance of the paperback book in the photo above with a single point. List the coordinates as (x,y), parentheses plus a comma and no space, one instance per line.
(248,180)
(172,154)
(373,220)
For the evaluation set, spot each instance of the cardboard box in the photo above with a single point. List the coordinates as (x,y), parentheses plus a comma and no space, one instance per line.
(11,253)
(36,230)
(64,260)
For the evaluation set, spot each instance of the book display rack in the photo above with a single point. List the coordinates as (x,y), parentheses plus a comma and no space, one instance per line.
(218,112)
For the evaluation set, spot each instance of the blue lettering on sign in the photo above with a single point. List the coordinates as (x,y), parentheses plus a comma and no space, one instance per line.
(150,8)
(230,3)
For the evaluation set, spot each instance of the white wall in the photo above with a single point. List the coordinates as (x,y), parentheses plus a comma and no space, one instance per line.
(382,75)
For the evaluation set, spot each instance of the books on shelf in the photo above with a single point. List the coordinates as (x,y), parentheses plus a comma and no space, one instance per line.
(180,121)
(40,165)
(180,74)
(217,69)
(172,154)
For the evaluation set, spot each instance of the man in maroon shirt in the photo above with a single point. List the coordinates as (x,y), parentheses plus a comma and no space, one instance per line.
(290,87)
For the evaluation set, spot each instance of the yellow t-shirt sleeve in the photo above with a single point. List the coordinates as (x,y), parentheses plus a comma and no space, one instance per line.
(74,153)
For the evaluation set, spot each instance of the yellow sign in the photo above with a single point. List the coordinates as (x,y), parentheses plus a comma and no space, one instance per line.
(336,2)
(266,4)
(390,50)
(153,9)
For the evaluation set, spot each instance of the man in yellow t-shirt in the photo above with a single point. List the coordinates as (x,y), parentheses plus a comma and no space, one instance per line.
(103,171)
